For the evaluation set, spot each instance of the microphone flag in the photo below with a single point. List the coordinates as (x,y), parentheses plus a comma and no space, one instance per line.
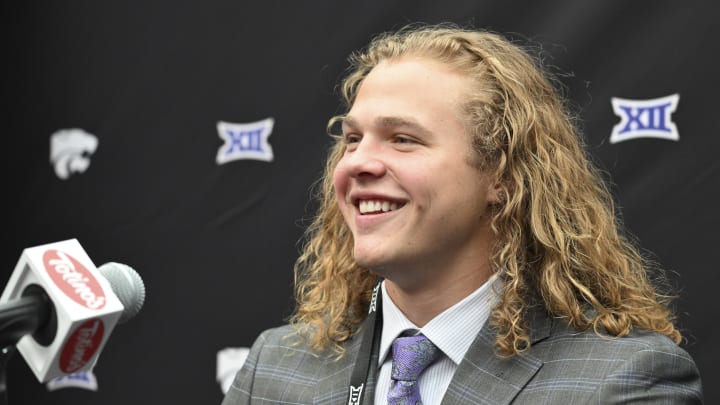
(85,308)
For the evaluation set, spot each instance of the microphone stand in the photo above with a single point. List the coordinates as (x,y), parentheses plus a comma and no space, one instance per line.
(5,355)
(31,313)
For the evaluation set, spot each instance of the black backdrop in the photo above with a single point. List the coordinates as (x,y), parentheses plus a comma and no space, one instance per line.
(215,243)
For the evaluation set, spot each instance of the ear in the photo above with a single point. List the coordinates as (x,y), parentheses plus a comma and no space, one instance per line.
(496,192)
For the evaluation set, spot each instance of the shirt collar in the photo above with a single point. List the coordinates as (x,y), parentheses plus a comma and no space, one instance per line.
(452,331)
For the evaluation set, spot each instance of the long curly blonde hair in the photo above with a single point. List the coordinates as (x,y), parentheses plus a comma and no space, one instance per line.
(558,241)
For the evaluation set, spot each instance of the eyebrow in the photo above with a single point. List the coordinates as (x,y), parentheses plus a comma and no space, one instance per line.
(389,122)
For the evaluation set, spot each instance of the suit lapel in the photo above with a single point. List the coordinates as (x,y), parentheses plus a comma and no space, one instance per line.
(369,396)
(483,377)
(333,388)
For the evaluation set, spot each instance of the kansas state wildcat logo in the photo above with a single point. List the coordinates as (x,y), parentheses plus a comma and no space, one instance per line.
(645,118)
(245,141)
(70,151)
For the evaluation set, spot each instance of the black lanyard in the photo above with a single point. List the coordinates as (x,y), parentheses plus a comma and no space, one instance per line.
(372,327)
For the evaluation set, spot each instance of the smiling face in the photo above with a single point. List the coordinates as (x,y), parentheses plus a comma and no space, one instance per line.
(417,206)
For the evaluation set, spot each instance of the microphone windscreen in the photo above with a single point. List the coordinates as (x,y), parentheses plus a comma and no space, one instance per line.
(127,285)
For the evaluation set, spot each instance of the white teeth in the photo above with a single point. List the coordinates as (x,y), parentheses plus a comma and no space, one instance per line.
(376,206)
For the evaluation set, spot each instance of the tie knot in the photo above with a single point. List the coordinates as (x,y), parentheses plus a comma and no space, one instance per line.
(411,355)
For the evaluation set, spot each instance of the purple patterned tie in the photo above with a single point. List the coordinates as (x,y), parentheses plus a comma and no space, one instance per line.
(411,355)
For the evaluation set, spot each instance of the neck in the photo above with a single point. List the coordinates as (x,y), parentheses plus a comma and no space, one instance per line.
(421,302)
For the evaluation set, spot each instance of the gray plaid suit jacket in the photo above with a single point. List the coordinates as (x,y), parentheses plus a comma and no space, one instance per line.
(563,366)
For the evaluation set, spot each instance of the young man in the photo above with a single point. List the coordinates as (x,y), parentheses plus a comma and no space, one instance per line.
(460,188)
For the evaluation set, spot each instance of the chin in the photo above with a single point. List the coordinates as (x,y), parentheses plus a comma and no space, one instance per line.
(382,267)
(368,261)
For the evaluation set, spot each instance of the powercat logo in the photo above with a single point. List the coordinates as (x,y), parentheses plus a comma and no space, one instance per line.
(70,151)
(81,346)
(73,279)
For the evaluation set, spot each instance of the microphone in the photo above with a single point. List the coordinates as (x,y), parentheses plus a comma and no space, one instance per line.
(58,309)
(127,285)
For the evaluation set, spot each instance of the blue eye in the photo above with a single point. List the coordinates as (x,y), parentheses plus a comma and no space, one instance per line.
(352,138)
(404,139)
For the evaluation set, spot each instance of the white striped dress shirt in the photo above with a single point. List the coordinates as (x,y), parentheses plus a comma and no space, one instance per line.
(452,331)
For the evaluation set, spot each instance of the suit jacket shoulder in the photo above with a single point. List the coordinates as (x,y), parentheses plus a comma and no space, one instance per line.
(280,369)
(577,367)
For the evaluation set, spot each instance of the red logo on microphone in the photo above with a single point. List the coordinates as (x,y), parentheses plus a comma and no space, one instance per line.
(81,346)
(74,279)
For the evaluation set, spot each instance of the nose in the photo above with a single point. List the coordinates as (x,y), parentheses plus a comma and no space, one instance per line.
(364,160)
